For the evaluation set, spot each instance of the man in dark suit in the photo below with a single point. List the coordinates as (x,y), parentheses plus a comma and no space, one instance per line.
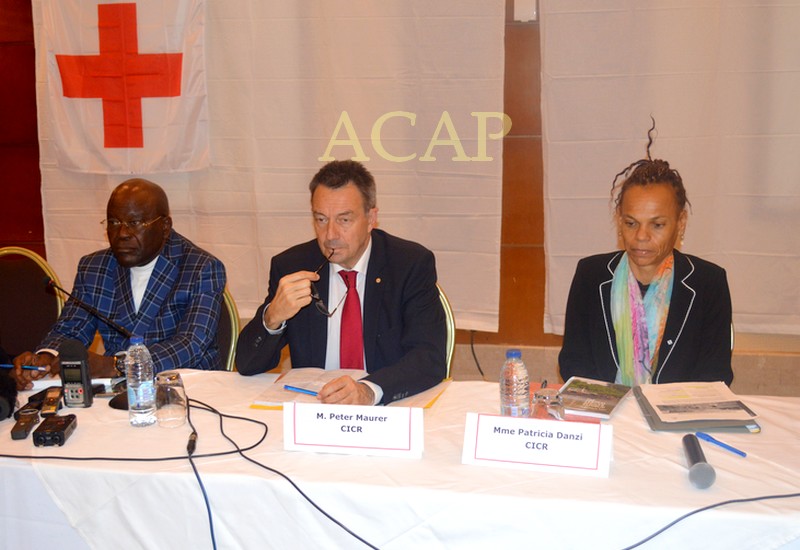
(404,331)
(151,281)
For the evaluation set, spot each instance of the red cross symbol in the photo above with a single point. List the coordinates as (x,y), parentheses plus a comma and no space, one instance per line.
(120,75)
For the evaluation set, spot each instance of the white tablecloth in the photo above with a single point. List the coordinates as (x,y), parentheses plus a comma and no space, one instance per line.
(435,502)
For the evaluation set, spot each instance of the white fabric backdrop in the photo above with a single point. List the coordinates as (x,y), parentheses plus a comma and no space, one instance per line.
(722,79)
(279,76)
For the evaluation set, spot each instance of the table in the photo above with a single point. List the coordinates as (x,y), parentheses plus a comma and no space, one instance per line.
(394,503)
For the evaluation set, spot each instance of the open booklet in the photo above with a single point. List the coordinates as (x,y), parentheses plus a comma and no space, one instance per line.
(313,379)
(690,406)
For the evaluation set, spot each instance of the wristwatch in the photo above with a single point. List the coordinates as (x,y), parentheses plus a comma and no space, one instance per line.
(119,362)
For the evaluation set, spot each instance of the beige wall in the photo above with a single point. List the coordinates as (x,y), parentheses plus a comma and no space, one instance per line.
(755,372)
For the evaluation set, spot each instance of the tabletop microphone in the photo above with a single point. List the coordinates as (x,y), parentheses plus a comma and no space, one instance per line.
(50,283)
(701,473)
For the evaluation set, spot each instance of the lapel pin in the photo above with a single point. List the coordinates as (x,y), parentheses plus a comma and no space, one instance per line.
(378,280)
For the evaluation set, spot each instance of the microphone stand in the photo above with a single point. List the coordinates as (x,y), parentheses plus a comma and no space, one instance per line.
(83,305)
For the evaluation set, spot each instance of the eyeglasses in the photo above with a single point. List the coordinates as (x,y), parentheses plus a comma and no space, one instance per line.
(113,224)
(318,303)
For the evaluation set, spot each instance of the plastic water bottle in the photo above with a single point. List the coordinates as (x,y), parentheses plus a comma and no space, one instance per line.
(141,385)
(515,395)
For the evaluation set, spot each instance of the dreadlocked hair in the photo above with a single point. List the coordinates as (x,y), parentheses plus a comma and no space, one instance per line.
(647,171)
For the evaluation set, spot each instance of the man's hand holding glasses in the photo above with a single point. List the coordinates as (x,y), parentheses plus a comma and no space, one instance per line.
(295,291)
(320,305)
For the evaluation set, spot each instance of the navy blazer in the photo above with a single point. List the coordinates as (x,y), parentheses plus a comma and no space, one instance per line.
(697,337)
(178,316)
(404,324)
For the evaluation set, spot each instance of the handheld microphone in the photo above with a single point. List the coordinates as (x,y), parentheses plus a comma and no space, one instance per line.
(701,473)
(50,283)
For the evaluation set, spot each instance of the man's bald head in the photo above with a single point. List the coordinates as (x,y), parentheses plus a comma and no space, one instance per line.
(138,221)
(142,190)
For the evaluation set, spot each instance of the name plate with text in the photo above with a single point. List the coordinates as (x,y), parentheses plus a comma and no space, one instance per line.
(583,448)
(353,429)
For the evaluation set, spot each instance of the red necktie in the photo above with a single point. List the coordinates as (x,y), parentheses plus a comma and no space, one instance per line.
(351,344)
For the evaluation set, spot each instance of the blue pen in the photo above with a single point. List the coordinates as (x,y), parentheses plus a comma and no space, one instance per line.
(26,367)
(706,437)
(300,390)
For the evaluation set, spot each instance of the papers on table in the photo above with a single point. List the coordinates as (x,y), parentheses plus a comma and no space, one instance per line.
(424,399)
(314,379)
(693,406)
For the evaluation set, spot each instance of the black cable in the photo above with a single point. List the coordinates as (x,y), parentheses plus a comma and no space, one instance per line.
(190,448)
(151,459)
(709,507)
(190,454)
(281,474)
(238,450)
(205,499)
(472,348)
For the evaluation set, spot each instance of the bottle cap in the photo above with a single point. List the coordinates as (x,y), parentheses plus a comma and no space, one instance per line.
(513,353)
(137,340)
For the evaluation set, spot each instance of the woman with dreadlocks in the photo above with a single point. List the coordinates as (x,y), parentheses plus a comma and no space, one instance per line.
(648,313)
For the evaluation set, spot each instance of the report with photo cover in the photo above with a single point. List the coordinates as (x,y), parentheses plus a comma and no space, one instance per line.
(694,406)
(594,398)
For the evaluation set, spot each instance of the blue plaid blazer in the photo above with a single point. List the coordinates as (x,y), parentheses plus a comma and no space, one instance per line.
(178,316)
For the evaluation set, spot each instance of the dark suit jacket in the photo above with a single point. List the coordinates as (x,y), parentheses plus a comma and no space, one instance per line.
(697,338)
(177,318)
(404,324)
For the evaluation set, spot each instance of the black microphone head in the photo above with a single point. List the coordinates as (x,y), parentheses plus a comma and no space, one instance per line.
(73,350)
(8,395)
(701,473)
(48,282)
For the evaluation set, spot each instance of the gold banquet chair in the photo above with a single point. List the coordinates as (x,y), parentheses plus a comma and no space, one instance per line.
(28,306)
(228,330)
(451,327)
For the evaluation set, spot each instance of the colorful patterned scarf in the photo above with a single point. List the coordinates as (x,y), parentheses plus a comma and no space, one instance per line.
(636,319)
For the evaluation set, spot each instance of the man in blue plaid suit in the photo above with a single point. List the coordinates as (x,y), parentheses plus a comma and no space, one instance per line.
(151,281)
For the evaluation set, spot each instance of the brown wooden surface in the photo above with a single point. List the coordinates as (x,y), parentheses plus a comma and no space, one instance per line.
(522,273)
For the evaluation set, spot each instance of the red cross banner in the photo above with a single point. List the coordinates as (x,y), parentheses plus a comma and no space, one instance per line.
(126,85)
(232,106)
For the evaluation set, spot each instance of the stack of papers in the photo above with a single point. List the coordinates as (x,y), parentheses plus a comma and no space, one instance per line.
(691,406)
(310,379)
(313,379)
